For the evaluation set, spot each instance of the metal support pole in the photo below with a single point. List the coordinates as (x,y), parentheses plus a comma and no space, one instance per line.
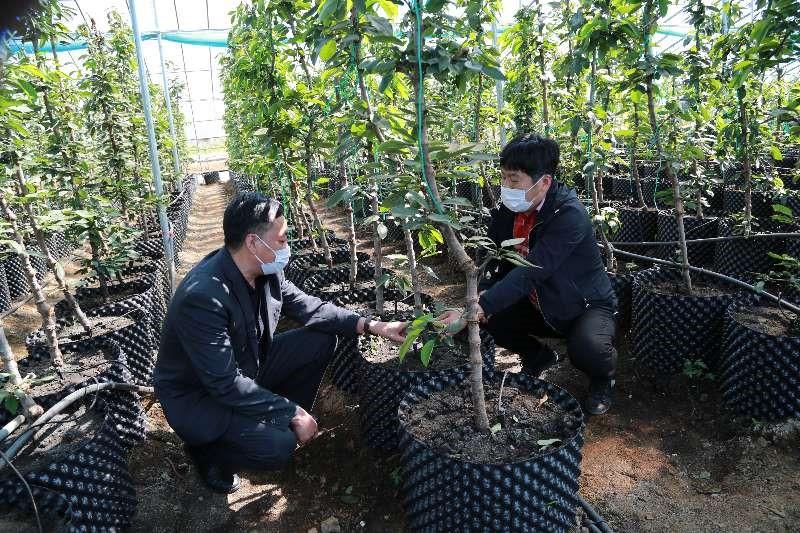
(498,84)
(176,162)
(151,138)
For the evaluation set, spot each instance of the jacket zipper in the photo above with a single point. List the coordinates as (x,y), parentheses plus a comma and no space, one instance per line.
(539,300)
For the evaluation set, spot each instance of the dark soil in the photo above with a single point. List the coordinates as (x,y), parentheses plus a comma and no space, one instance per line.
(78,367)
(386,353)
(528,425)
(100,326)
(340,289)
(391,309)
(699,289)
(769,320)
(117,295)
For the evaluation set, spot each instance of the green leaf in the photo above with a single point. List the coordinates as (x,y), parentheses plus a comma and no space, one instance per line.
(328,50)
(776,154)
(434,6)
(11,403)
(337,197)
(382,230)
(512,242)
(496,428)
(390,8)
(386,80)
(425,353)
(544,443)
(493,73)
(436,217)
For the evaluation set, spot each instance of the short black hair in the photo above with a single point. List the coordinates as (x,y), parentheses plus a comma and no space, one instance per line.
(249,212)
(531,153)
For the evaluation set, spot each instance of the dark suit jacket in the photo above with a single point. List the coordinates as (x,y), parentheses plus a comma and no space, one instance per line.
(209,359)
(569,276)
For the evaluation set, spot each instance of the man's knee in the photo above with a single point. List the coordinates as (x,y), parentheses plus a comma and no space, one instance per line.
(592,352)
(272,453)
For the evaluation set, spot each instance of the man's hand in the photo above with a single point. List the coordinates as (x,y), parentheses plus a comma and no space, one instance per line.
(394,331)
(303,425)
(454,316)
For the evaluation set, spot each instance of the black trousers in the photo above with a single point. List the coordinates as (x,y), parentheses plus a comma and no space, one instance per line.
(590,337)
(294,367)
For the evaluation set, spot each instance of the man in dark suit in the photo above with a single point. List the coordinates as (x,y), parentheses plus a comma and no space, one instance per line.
(567,293)
(235,392)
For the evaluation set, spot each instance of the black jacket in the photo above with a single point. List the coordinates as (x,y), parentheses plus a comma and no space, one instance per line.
(209,357)
(569,276)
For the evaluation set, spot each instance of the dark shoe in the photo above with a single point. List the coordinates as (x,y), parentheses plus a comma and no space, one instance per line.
(217,478)
(600,398)
(534,366)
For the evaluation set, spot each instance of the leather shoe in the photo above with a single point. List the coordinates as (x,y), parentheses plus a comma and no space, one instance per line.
(216,478)
(600,397)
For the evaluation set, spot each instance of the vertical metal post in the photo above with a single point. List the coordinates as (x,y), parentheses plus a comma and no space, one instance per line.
(499,90)
(151,138)
(176,162)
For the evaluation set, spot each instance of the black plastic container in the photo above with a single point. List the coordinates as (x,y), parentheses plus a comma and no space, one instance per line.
(668,329)
(759,372)
(442,494)
(700,254)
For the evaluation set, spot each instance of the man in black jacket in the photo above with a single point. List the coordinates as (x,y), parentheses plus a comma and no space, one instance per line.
(567,293)
(235,392)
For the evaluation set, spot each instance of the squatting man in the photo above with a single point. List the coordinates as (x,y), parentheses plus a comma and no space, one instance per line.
(238,394)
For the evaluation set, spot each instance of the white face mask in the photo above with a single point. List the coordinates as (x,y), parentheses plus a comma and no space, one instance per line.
(514,199)
(280,261)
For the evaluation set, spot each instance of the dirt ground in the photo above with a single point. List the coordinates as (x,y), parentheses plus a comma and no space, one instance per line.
(661,460)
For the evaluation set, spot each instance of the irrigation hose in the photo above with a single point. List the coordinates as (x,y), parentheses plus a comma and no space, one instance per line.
(23,439)
(597,522)
(711,239)
(672,264)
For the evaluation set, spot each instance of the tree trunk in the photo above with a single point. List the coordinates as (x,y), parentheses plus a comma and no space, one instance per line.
(351,227)
(634,165)
(746,173)
(30,408)
(412,265)
(699,198)
(326,251)
(55,268)
(466,265)
(44,309)
(543,72)
(651,113)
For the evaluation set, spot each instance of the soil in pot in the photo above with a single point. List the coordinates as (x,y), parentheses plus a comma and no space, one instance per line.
(116,295)
(674,288)
(769,320)
(100,326)
(395,308)
(527,426)
(78,367)
(337,289)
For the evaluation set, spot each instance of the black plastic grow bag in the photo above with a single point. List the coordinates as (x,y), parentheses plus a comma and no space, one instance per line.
(744,259)
(668,329)
(91,487)
(700,254)
(733,202)
(442,494)
(759,373)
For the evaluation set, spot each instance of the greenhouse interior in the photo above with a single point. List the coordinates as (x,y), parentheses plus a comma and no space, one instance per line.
(400,265)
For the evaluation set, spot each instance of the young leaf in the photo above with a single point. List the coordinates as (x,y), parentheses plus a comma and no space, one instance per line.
(425,353)
(512,242)
(495,428)
(544,443)
(328,50)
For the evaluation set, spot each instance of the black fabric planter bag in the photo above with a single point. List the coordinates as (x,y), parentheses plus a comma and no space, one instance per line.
(5,296)
(345,365)
(211,177)
(298,271)
(700,254)
(90,487)
(318,284)
(380,389)
(637,225)
(744,259)
(305,242)
(136,341)
(668,329)
(622,283)
(759,372)
(733,202)
(18,285)
(442,494)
